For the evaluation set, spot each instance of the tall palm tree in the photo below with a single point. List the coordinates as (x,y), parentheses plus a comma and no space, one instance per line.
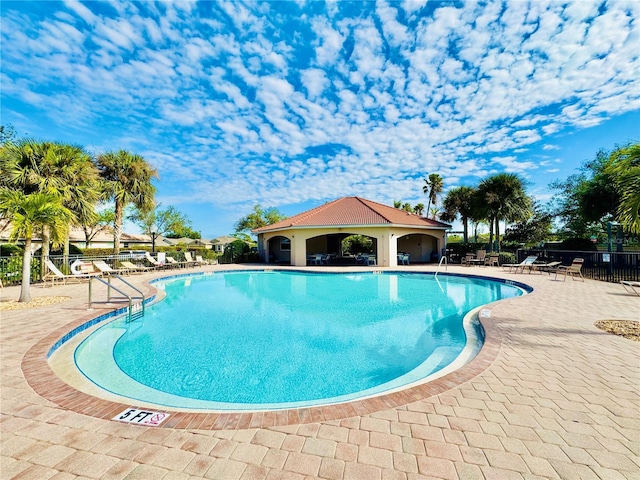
(432,188)
(55,168)
(459,202)
(126,179)
(28,213)
(503,198)
(624,167)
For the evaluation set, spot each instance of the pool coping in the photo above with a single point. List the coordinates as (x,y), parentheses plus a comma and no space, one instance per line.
(48,385)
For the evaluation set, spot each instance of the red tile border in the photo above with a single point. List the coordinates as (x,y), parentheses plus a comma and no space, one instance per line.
(48,385)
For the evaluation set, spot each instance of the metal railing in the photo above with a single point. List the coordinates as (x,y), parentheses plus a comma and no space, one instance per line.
(605,266)
(135,310)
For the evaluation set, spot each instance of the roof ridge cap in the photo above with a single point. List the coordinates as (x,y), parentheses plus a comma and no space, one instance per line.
(363,200)
(313,211)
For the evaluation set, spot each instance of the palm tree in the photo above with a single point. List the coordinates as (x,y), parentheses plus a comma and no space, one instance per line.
(458,202)
(58,169)
(624,167)
(418,209)
(432,188)
(126,179)
(28,213)
(503,197)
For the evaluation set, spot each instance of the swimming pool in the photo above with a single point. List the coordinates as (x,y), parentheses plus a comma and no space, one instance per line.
(282,339)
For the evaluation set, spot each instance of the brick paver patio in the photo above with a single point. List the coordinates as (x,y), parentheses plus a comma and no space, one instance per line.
(551,397)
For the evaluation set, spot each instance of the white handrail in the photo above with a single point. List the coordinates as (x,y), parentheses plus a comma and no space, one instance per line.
(443,259)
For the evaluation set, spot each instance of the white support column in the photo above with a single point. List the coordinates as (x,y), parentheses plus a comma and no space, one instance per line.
(392,242)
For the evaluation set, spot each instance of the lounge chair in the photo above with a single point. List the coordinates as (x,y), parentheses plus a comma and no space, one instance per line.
(631,287)
(55,274)
(173,262)
(190,262)
(202,261)
(547,267)
(154,262)
(526,263)
(106,269)
(80,267)
(573,269)
(136,268)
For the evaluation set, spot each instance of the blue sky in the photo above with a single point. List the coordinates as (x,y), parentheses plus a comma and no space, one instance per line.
(293,104)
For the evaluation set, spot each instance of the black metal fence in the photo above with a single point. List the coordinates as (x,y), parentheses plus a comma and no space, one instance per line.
(605,266)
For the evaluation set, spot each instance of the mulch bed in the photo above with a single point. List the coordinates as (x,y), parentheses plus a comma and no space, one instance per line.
(35,302)
(625,328)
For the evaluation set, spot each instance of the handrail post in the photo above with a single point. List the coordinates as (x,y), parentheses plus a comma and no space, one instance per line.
(90,284)
(109,288)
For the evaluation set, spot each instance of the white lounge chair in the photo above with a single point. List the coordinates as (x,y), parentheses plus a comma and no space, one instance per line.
(55,274)
(631,287)
(526,263)
(135,268)
(175,263)
(106,269)
(190,262)
(154,262)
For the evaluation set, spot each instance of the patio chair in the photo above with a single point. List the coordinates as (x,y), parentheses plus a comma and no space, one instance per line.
(403,258)
(133,268)
(573,269)
(631,287)
(314,259)
(106,269)
(526,263)
(492,260)
(467,259)
(55,274)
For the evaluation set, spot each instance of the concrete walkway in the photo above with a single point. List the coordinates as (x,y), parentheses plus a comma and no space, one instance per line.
(560,399)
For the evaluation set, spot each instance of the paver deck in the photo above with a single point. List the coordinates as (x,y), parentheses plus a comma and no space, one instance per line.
(551,397)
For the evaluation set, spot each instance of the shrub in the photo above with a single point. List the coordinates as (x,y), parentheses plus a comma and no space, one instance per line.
(9,249)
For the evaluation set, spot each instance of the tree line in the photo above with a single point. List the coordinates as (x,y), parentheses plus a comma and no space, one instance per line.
(48,187)
(606,189)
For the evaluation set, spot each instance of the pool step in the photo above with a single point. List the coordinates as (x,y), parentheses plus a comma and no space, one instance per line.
(136,312)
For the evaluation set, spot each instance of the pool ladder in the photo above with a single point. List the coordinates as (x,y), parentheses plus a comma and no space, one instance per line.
(443,259)
(136,302)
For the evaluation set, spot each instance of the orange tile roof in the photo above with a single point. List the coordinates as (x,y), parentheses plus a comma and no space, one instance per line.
(349,211)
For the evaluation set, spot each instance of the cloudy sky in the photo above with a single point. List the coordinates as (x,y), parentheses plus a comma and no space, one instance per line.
(292,104)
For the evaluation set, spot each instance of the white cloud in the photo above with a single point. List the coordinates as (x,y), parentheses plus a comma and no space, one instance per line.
(250,104)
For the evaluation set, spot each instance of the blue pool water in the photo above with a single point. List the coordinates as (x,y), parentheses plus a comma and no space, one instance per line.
(241,340)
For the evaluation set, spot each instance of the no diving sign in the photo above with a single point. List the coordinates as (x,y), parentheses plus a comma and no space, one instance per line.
(141,417)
